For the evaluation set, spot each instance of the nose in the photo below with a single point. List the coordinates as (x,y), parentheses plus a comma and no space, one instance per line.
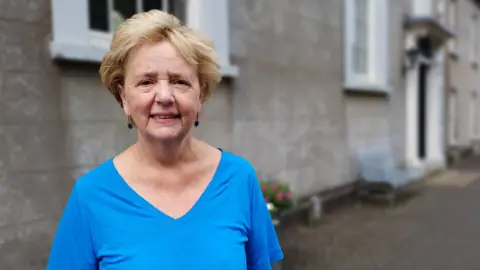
(163,93)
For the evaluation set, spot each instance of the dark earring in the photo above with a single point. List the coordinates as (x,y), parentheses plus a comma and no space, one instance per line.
(196,123)
(130,125)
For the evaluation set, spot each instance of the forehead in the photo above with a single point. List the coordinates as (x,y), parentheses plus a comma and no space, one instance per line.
(160,57)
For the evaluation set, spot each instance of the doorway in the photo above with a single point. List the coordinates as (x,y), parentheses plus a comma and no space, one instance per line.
(423,71)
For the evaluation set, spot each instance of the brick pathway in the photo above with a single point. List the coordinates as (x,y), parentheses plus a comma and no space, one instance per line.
(438,228)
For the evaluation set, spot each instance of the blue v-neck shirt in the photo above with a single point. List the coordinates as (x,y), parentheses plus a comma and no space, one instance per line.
(107,225)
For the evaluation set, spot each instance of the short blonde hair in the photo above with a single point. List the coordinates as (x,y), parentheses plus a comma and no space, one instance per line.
(156,26)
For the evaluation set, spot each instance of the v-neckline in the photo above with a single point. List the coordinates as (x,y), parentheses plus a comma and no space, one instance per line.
(157,211)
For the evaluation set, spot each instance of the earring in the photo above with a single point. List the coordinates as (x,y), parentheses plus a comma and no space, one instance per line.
(130,125)
(196,123)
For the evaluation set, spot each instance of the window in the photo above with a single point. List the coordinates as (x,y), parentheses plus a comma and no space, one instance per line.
(473,116)
(453,121)
(106,15)
(476,120)
(360,41)
(473,39)
(366,45)
(440,8)
(82,29)
(452,23)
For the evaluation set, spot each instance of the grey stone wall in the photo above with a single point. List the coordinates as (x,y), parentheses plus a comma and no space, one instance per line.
(380,119)
(216,118)
(463,77)
(286,112)
(95,125)
(288,106)
(34,174)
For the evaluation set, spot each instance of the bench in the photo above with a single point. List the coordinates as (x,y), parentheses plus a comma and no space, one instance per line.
(380,174)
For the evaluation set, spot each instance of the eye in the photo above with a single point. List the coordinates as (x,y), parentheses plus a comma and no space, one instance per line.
(145,83)
(180,82)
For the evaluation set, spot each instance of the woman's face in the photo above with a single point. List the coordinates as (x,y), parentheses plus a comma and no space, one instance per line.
(161,92)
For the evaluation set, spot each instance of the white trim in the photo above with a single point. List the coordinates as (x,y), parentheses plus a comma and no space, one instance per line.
(473,115)
(452,23)
(139,5)
(441,11)
(434,116)
(422,8)
(74,41)
(165,4)
(91,53)
(473,39)
(377,70)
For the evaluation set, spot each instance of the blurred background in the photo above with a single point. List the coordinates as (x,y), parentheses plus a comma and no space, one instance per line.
(343,103)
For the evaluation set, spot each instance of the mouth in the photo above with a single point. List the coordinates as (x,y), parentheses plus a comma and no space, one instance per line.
(165,116)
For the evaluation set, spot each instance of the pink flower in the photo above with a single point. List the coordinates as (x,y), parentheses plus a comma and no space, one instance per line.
(288,196)
(279,196)
(266,198)
(275,187)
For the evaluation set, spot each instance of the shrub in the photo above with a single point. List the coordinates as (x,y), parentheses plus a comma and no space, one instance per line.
(277,195)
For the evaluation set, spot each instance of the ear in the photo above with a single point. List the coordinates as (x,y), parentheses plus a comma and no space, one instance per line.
(201,100)
(125,107)
(202,93)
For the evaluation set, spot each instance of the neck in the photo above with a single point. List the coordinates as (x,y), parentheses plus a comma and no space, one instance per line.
(165,154)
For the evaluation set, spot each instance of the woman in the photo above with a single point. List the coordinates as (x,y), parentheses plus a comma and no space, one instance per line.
(169,201)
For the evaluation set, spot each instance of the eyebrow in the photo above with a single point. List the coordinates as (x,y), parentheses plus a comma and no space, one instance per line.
(171,74)
(178,75)
(148,74)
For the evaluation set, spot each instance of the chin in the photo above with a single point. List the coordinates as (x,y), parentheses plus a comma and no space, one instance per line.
(165,134)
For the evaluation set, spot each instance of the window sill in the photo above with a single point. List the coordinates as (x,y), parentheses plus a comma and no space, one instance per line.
(94,54)
(367,89)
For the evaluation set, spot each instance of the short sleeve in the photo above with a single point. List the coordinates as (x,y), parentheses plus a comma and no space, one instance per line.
(263,247)
(73,246)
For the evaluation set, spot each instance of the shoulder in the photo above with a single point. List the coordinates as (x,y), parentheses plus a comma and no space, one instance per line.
(95,180)
(239,171)
(238,164)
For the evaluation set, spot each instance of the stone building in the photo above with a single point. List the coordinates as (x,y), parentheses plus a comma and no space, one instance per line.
(306,84)
(397,100)
(463,77)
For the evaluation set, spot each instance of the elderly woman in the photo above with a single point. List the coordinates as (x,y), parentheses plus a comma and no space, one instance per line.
(169,201)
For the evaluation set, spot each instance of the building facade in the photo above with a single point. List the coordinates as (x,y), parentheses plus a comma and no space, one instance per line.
(462,85)
(397,99)
(281,103)
(305,87)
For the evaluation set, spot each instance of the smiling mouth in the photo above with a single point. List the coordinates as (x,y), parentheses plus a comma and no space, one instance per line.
(161,117)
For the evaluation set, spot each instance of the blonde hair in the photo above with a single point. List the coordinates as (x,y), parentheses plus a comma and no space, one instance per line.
(156,26)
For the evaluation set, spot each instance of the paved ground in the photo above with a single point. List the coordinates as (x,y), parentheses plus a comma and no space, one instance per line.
(436,229)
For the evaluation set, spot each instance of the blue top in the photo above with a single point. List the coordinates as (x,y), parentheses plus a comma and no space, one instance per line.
(107,225)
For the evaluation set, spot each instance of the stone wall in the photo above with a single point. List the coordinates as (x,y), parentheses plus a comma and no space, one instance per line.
(34,170)
(288,105)
(285,112)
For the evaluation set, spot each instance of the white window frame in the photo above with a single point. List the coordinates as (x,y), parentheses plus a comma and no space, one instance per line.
(441,11)
(473,39)
(473,116)
(477,118)
(72,38)
(422,8)
(452,24)
(376,79)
